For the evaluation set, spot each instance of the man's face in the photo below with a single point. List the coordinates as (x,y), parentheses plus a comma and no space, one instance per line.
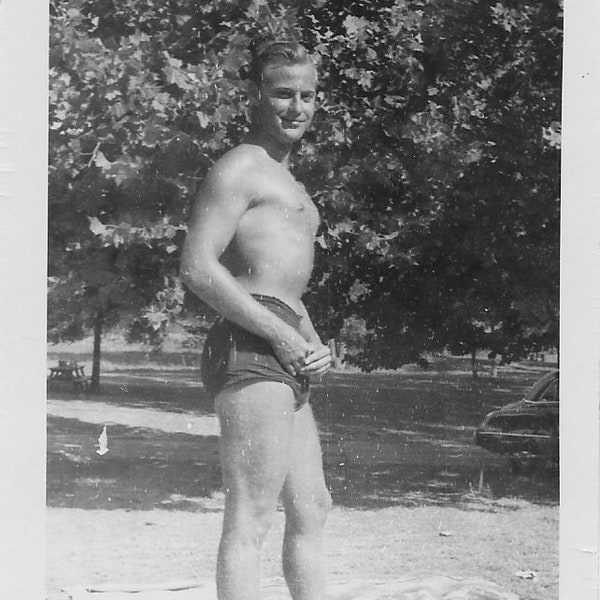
(284,104)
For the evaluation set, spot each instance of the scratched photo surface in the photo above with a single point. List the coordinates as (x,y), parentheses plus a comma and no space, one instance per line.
(433,162)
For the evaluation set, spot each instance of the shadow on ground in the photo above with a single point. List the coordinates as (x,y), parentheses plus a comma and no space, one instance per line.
(388,439)
(143,469)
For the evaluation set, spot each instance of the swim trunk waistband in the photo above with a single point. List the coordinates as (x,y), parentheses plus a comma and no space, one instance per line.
(272,301)
(234,356)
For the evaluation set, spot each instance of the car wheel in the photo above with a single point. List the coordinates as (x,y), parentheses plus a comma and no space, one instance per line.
(516,465)
(521,463)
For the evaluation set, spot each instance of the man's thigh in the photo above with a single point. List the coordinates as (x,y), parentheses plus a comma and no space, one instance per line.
(305,481)
(257,422)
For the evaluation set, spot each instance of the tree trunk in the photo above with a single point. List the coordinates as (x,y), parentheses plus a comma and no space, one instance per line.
(95,383)
(340,354)
(474,363)
(494,367)
(334,358)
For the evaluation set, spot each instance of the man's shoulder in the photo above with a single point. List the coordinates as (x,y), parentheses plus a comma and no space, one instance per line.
(242,160)
(239,173)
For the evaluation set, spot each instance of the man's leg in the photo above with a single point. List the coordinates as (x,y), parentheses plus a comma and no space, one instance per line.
(256,431)
(307,503)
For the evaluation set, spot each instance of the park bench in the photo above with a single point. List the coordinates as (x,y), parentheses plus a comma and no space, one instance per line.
(71,373)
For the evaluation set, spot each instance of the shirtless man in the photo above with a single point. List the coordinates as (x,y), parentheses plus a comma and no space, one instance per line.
(249,254)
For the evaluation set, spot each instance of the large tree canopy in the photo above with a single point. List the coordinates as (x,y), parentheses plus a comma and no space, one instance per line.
(434,160)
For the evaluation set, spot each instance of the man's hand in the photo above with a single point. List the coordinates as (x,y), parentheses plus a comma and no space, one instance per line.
(292,351)
(318,362)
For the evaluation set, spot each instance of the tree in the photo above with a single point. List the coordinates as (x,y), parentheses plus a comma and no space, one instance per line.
(434,160)
(103,273)
(451,211)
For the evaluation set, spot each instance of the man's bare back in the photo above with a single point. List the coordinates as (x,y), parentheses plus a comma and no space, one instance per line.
(272,251)
(253,231)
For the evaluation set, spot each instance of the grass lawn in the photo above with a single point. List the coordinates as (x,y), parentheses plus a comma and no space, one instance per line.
(411,491)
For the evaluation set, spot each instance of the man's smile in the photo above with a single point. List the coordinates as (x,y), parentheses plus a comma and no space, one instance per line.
(292,123)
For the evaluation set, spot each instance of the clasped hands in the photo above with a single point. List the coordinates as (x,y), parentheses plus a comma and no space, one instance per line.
(317,363)
(300,357)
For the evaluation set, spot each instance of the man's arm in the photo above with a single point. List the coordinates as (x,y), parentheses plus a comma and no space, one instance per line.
(222,201)
(307,329)
(318,362)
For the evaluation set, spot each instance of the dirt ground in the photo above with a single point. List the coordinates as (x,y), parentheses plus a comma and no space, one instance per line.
(412,493)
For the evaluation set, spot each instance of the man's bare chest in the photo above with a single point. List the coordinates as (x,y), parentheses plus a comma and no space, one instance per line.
(280,199)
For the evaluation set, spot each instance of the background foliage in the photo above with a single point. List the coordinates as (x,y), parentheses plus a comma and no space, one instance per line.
(434,160)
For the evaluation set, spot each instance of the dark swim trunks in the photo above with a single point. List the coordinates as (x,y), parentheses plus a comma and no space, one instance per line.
(233,355)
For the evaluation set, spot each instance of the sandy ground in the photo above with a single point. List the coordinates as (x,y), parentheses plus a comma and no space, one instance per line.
(102,413)
(496,540)
(99,547)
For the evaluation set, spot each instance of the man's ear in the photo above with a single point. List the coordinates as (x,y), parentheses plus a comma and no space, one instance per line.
(253,93)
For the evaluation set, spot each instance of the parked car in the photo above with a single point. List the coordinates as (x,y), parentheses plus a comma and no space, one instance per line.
(527,428)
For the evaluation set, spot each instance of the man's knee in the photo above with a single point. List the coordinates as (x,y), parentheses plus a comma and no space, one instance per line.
(309,513)
(249,521)
(324,504)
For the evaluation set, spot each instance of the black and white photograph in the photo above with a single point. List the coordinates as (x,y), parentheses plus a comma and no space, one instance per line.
(305,322)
